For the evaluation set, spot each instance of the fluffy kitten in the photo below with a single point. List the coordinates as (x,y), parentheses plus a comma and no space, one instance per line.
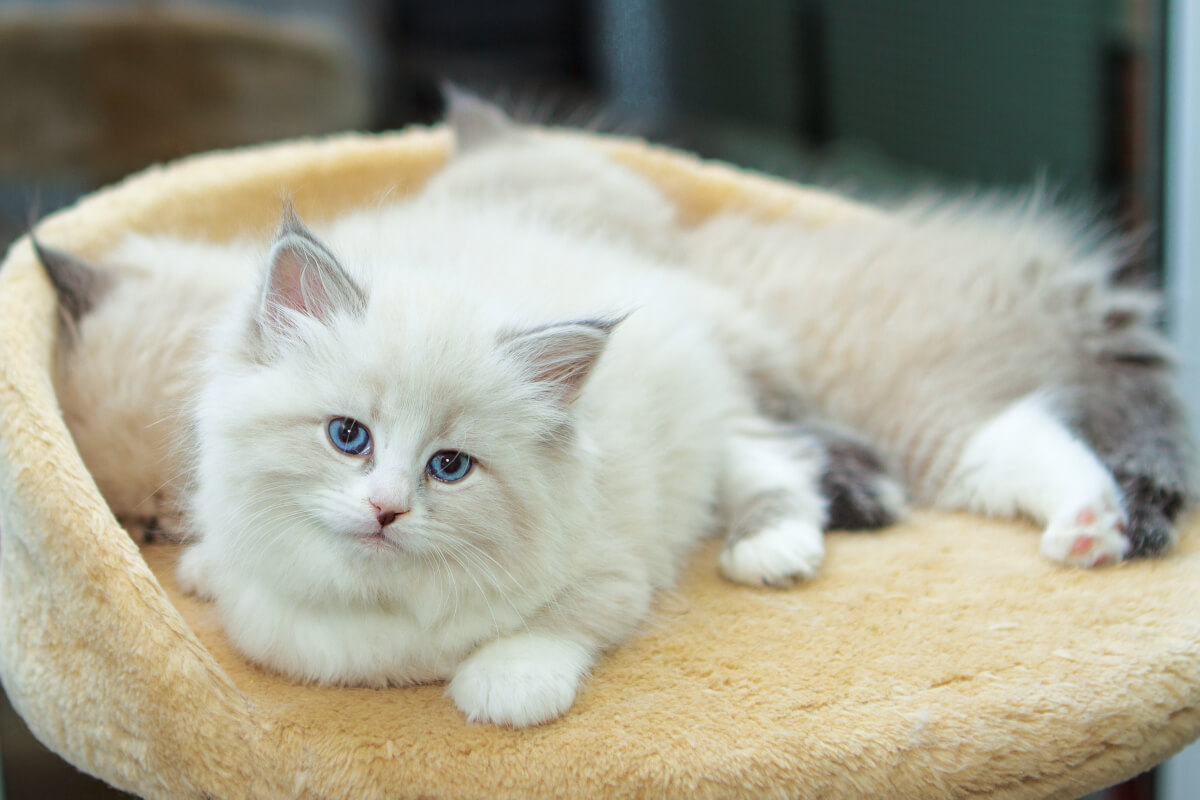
(474,452)
(981,345)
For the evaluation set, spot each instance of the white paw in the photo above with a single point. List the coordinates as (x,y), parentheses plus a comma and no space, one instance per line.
(519,680)
(777,555)
(1090,537)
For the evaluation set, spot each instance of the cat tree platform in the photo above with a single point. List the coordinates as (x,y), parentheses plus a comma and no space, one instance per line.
(940,658)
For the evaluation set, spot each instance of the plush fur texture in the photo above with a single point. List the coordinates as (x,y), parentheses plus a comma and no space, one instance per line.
(941,658)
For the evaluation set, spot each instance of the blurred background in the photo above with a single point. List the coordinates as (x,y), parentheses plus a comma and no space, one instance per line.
(874,96)
(1097,98)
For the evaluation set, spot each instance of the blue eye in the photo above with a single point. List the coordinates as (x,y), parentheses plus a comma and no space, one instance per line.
(449,466)
(349,435)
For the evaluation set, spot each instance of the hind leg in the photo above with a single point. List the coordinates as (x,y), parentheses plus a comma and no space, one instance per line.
(775,508)
(1131,416)
(1026,461)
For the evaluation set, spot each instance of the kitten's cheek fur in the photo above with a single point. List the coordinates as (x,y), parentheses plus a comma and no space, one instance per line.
(520,680)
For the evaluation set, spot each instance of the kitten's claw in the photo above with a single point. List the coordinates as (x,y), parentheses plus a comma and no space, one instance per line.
(1091,537)
(519,680)
(778,555)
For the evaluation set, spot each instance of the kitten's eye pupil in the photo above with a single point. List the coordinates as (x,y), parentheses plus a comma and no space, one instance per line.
(349,435)
(449,466)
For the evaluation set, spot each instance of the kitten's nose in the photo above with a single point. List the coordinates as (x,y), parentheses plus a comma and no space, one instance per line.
(386,513)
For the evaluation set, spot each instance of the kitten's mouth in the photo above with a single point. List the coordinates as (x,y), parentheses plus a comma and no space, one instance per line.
(378,541)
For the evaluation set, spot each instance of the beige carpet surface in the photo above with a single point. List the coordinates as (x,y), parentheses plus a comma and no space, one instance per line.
(940,658)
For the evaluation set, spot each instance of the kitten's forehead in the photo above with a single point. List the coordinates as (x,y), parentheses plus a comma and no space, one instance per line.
(423,356)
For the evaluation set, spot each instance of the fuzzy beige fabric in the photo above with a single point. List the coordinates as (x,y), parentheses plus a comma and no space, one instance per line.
(940,658)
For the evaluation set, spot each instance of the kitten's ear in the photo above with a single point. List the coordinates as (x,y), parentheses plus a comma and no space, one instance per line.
(78,284)
(476,123)
(560,357)
(305,278)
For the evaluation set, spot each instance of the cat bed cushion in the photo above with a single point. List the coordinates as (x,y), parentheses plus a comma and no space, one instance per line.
(939,658)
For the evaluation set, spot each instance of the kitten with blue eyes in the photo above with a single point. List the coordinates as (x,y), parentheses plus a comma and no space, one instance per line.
(473,451)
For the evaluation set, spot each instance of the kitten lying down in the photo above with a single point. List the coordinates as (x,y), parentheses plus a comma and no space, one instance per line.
(475,455)
(467,437)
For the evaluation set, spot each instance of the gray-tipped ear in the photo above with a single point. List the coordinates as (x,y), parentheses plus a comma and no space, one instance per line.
(78,284)
(304,277)
(476,123)
(560,357)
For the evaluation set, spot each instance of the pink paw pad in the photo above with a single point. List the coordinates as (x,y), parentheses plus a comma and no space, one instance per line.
(1082,544)
(1091,535)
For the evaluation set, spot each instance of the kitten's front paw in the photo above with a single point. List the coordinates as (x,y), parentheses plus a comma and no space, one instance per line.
(777,555)
(519,680)
(1090,537)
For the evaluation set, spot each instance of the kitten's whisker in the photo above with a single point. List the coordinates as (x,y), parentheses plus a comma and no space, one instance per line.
(471,551)
(482,592)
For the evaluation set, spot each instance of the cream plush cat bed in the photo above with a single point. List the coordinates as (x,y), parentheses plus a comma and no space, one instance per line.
(940,658)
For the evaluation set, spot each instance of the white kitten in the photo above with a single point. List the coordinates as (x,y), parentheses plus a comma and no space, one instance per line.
(473,453)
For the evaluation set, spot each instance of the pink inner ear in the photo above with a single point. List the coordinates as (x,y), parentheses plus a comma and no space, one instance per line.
(562,356)
(291,288)
(566,376)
